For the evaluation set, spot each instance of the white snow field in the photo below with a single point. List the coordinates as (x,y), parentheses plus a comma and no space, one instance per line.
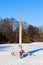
(6,57)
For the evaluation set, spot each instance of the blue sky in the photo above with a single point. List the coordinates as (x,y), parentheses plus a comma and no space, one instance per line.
(32,10)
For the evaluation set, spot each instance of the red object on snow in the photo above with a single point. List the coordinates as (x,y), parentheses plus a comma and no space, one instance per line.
(21,52)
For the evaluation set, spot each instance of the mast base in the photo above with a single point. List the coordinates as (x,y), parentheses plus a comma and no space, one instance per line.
(21,53)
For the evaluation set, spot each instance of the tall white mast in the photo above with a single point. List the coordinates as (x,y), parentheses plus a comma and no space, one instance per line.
(20,30)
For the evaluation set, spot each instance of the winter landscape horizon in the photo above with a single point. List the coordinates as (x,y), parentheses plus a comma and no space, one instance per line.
(21,32)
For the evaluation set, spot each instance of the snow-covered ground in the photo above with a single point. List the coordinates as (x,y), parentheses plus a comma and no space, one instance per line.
(6,58)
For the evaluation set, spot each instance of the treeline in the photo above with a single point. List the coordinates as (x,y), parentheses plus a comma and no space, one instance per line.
(9,32)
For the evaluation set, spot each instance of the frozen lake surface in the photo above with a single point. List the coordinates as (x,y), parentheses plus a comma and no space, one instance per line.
(6,58)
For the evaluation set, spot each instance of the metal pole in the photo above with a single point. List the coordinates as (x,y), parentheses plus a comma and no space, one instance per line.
(20,31)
